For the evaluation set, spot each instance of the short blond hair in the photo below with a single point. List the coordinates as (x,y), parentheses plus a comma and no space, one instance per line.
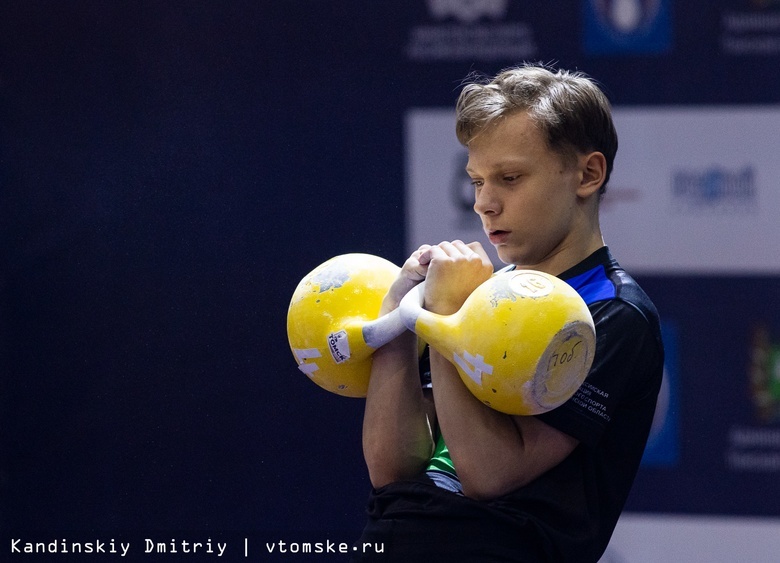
(569,107)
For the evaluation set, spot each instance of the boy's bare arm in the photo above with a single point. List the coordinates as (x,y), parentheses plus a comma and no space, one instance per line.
(494,453)
(397,434)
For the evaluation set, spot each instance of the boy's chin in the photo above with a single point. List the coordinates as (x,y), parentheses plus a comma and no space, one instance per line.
(506,256)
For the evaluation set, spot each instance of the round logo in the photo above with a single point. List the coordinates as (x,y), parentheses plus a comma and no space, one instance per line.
(531,284)
(626,16)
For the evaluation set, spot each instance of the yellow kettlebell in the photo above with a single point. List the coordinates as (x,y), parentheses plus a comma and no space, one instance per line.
(523,341)
(327,314)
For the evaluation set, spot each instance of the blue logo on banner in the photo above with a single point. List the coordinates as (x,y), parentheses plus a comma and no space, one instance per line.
(627,26)
(663,444)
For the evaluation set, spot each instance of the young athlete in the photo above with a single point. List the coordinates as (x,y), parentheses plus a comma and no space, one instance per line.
(454,480)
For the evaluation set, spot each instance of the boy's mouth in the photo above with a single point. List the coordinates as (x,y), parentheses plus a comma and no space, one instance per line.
(498,236)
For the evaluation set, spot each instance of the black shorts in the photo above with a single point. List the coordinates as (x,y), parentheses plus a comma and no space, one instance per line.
(415,520)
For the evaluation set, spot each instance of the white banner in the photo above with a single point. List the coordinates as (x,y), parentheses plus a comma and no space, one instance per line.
(693,539)
(694,190)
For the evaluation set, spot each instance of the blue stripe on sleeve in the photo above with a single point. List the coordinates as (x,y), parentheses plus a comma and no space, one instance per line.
(593,285)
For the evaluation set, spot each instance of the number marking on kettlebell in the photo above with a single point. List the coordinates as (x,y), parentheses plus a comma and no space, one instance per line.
(303,354)
(564,354)
(473,366)
(529,284)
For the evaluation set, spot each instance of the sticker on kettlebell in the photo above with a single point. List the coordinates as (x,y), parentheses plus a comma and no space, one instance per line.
(529,284)
(339,346)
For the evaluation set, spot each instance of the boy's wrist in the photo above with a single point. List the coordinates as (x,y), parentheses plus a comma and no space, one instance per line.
(396,293)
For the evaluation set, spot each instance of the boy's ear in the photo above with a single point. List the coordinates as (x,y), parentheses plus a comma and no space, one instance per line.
(594,171)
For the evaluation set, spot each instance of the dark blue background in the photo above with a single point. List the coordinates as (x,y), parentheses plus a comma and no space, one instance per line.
(169,173)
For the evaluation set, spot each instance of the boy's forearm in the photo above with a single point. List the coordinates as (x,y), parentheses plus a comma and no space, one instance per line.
(494,453)
(397,438)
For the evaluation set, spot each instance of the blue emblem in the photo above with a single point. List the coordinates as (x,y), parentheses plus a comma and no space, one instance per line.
(627,27)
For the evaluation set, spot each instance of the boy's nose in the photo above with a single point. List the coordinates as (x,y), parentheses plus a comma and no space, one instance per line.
(485,202)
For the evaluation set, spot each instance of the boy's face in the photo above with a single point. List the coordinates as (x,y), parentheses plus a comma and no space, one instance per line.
(526,195)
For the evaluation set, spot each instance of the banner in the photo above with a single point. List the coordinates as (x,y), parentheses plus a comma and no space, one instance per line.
(683,197)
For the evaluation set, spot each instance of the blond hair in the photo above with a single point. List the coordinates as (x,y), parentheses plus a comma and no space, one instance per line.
(569,107)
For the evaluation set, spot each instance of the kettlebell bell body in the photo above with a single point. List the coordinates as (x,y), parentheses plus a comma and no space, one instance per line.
(523,341)
(327,313)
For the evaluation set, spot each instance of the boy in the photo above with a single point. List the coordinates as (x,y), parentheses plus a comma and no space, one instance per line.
(454,480)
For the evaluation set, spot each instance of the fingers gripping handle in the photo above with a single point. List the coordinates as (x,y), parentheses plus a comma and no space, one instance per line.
(379,332)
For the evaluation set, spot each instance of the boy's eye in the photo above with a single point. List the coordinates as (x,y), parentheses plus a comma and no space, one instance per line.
(476,183)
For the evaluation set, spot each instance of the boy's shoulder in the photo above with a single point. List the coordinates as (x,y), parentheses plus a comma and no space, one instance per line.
(599,277)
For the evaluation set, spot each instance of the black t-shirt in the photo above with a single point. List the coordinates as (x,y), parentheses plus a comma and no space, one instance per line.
(569,512)
(611,414)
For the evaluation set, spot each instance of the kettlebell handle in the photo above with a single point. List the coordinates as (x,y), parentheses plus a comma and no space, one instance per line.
(411,306)
(380,331)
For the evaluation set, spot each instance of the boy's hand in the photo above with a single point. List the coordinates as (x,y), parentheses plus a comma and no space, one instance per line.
(412,273)
(453,270)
